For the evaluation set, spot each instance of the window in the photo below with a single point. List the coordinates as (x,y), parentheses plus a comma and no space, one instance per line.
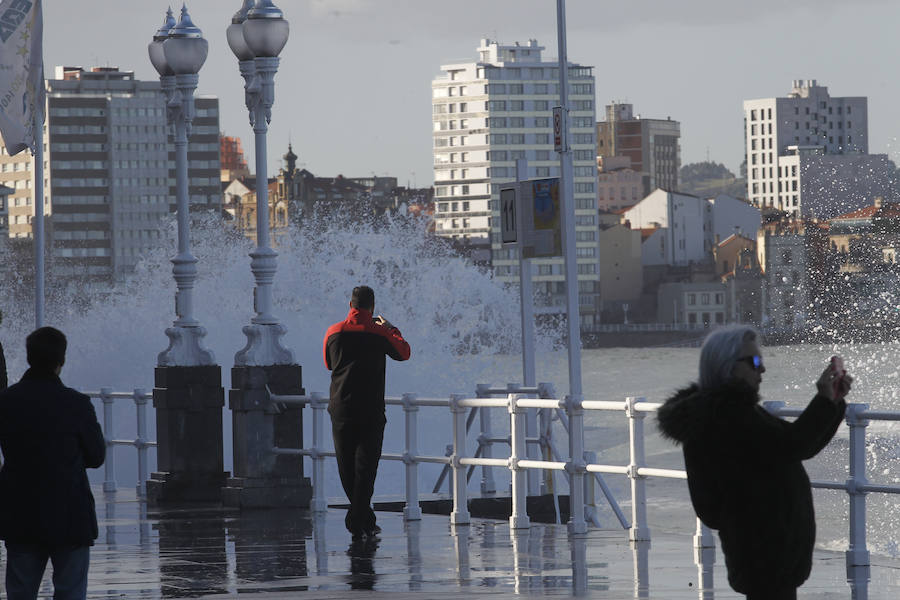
(692,299)
(704,298)
(542,122)
(516,105)
(541,105)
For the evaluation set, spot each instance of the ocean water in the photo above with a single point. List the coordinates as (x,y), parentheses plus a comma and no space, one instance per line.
(463,328)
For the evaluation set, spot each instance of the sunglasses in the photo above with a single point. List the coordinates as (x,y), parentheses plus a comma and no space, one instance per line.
(754,361)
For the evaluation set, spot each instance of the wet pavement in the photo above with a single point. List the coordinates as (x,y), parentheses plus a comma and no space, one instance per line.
(210,552)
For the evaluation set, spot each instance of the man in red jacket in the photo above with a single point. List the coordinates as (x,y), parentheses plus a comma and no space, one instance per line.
(355,351)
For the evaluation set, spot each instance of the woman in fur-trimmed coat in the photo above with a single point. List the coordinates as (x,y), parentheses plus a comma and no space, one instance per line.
(744,465)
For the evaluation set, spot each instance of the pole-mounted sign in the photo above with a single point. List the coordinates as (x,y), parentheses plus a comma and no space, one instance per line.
(559,129)
(508,216)
(536,229)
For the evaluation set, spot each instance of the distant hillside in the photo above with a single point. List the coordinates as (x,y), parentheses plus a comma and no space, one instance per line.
(707,179)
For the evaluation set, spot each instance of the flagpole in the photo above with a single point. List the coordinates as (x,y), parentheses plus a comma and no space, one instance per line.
(38,217)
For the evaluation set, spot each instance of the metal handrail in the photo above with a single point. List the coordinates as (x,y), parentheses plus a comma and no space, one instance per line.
(140,397)
(636,409)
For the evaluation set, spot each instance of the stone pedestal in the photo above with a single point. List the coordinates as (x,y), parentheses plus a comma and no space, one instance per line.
(188,403)
(263,479)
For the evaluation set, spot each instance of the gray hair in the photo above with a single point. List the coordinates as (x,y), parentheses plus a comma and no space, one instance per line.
(720,350)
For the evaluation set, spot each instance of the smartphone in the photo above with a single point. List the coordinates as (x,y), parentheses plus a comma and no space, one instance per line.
(837,366)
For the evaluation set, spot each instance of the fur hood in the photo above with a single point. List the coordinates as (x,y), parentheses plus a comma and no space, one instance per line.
(689,413)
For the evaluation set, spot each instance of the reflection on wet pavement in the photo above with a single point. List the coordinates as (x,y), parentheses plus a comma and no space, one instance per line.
(208,551)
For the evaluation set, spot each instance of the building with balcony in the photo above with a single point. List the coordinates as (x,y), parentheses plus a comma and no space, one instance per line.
(109,171)
(487,114)
(808,153)
(652,145)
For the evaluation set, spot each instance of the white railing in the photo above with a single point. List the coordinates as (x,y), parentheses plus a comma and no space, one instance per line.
(140,397)
(635,409)
(632,327)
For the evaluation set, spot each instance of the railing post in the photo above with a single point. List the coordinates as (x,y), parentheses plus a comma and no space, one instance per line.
(704,555)
(639,530)
(412,511)
(140,403)
(488,485)
(857,555)
(545,390)
(318,503)
(590,492)
(109,465)
(460,514)
(575,466)
(518,429)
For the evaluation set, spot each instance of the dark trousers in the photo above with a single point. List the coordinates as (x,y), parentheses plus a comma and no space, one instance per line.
(25,564)
(357,446)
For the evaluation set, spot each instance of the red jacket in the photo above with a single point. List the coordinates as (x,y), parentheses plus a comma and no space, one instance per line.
(354,350)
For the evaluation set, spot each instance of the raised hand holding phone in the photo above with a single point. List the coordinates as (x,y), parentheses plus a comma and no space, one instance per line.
(841,380)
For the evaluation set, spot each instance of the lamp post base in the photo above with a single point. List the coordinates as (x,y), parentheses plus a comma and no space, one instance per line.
(186,348)
(264,346)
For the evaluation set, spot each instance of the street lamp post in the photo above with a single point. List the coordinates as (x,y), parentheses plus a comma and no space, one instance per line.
(177,53)
(188,394)
(262,478)
(257,35)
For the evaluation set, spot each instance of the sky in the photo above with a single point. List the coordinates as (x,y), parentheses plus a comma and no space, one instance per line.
(353,93)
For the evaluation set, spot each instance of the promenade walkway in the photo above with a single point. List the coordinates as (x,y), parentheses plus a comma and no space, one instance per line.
(209,552)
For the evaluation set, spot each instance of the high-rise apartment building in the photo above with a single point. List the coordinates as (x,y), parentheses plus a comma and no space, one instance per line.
(651,144)
(108,171)
(807,153)
(488,113)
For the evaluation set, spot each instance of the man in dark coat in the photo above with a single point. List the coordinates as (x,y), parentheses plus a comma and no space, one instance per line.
(49,435)
(4,382)
(745,475)
(355,351)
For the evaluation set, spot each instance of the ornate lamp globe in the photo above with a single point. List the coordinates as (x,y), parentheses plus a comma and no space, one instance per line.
(235,33)
(266,31)
(155,49)
(185,48)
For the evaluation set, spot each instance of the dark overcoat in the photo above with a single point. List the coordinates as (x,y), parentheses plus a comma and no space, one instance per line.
(746,478)
(3,380)
(49,435)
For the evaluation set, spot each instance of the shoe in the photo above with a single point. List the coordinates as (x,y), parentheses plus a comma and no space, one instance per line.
(376,529)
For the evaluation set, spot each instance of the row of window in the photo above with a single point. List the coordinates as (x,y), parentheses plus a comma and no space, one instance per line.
(551,73)
(793,187)
(77,129)
(705,298)
(538,138)
(8,167)
(82,234)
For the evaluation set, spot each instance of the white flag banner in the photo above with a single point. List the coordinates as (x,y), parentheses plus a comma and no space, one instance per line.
(21,73)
